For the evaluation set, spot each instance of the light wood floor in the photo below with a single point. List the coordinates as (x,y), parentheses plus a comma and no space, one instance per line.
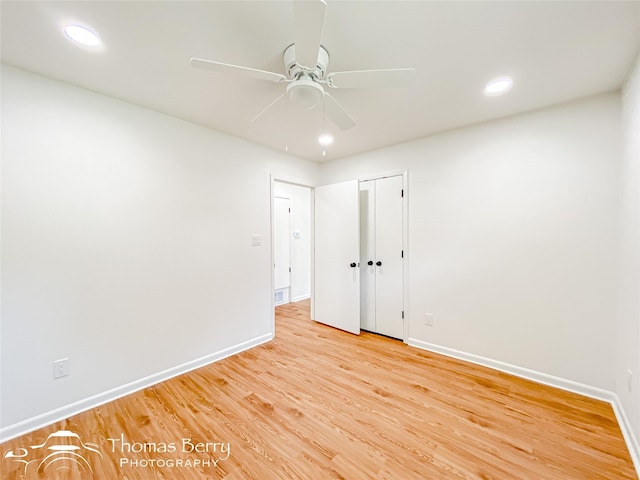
(317,403)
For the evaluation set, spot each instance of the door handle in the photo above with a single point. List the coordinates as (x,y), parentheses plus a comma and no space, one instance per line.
(379,263)
(370,262)
(352,265)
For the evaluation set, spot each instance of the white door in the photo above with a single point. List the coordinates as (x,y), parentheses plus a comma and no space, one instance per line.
(381,246)
(281,239)
(367,257)
(389,261)
(336,254)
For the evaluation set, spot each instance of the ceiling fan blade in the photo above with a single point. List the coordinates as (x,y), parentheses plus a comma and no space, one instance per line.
(259,115)
(308,16)
(371,78)
(336,113)
(228,68)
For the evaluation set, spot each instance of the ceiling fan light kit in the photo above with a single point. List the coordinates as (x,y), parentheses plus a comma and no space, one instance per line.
(304,78)
(305,92)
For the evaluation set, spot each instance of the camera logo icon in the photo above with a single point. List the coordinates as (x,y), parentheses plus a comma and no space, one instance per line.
(60,451)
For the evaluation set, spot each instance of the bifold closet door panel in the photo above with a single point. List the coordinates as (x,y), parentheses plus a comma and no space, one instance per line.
(388,253)
(367,254)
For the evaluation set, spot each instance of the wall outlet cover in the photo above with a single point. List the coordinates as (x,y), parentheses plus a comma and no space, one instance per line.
(428,319)
(61,368)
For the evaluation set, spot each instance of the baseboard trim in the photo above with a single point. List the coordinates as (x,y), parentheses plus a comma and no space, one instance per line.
(58,414)
(300,298)
(533,375)
(550,380)
(627,432)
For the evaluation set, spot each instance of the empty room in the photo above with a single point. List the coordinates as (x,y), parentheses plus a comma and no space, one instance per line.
(320,239)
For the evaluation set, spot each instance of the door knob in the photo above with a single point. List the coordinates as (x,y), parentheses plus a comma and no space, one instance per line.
(379,263)
(353,265)
(370,262)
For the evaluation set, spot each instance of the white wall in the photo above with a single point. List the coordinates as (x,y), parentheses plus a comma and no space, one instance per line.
(512,237)
(126,242)
(300,247)
(628,346)
(126,245)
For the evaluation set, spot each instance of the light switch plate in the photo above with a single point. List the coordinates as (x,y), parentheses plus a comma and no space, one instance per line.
(256,240)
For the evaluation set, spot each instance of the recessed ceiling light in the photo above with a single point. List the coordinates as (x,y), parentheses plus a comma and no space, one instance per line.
(325,139)
(498,86)
(82,35)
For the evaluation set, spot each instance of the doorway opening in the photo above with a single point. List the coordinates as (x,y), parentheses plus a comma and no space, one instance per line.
(292,232)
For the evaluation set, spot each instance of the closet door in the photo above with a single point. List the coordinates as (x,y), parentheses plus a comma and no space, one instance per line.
(367,256)
(336,256)
(388,260)
(382,263)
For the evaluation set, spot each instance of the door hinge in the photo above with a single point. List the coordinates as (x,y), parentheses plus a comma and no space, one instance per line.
(403,314)
(402,193)
(289,210)
(402,253)
(289,269)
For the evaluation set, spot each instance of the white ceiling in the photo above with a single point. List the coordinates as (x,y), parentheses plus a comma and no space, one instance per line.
(556,51)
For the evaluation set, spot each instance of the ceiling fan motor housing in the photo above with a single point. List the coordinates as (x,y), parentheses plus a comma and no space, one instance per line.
(293,68)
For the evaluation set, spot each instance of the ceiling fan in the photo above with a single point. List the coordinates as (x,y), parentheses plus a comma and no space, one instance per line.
(306,62)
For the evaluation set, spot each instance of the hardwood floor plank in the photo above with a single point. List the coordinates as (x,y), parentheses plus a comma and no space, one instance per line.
(317,403)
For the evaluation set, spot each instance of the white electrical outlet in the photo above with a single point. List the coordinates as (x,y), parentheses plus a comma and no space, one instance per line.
(61,368)
(256,240)
(428,319)
(629,379)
